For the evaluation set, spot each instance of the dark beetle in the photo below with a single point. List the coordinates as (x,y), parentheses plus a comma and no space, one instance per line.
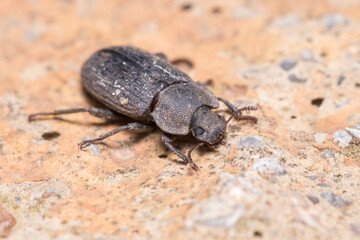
(148,89)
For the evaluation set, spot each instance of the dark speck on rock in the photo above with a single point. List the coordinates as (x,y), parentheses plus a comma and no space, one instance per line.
(258,234)
(313,199)
(50,135)
(323,185)
(288,64)
(296,79)
(186,7)
(340,80)
(335,199)
(317,101)
(313,177)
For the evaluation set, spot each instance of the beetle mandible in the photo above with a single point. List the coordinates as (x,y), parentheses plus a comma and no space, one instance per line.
(147,88)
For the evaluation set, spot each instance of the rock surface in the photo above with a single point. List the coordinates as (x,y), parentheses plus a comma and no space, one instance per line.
(7,222)
(131,187)
(342,138)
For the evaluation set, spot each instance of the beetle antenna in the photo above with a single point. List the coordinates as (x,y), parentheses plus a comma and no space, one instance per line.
(237,114)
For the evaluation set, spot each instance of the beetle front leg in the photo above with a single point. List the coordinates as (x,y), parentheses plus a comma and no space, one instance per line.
(237,112)
(187,160)
(96,112)
(133,127)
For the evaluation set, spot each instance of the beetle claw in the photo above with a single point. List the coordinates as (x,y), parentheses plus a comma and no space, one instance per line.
(84,144)
(194,166)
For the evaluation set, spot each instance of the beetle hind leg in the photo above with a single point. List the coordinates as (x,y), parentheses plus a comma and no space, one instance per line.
(96,112)
(133,127)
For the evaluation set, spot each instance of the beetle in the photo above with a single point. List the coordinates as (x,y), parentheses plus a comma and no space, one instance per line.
(148,89)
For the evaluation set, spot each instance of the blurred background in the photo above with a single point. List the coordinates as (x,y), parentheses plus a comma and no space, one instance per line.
(294,175)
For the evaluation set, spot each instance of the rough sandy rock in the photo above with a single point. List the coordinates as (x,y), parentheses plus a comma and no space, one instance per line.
(7,222)
(292,175)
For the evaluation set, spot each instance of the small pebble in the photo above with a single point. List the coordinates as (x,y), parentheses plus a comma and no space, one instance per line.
(307,55)
(334,20)
(269,165)
(335,199)
(288,64)
(244,13)
(342,104)
(123,154)
(252,141)
(355,227)
(33,72)
(320,137)
(36,195)
(172,173)
(52,190)
(313,199)
(287,21)
(40,161)
(94,147)
(353,131)
(340,80)
(342,138)
(123,228)
(294,78)
(347,175)
(124,101)
(328,154)
(336,180)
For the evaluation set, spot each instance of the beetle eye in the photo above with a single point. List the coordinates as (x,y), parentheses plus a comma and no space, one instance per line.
(221,136)
(199,131)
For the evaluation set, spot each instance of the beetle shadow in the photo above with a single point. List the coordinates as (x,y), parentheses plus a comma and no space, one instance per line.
(184,143)
(90,100)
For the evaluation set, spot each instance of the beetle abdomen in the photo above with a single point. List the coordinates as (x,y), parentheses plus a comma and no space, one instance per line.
(127,79)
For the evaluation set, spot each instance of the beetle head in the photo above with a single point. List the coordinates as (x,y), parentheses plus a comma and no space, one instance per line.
(207,126)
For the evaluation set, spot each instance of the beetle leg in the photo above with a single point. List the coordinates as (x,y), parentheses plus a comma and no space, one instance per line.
(162,56)
(133,127)
(187,159)
(237,112)
(97,112)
